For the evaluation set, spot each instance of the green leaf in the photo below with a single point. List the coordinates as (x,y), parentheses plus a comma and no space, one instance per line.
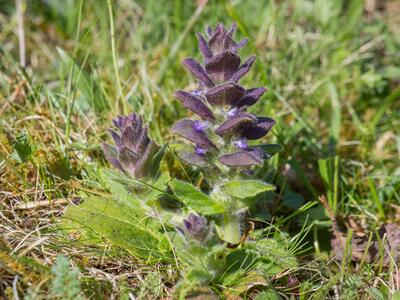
(121,225)
(267,295)
(375,293)
(197,275)
(195,199)
(155,164)
(65,284)
(276,257)
(293,200)
(396,295)
(241,259)
(121,192)
(329,170)
(228,228)
(336,116)
(246,188)
(132,191)
(23,148)
(302,177)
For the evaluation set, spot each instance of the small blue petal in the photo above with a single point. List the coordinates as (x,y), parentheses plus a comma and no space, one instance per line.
(232,112)
(200,151)
(241,143)
(200,125)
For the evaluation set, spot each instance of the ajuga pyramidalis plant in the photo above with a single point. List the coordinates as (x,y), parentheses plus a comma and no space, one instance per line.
(221,132)
(208,232)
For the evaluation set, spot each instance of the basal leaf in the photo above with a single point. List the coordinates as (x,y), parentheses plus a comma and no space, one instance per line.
(122,194)
(132,191)
(121,225)
(241,259)
(195,199)
(246,188)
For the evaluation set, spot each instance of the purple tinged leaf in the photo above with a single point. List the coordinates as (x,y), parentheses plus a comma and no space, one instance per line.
(143,164)
(129,139)
(185,129)
(262,127)
(116,122)
(251,96)
(221,67)
(195,104)
(239,121)
(127,159)
(203,46)
(209,31)
(225,94)
(137,125)
(120,121)
(192,158)
(143,141)
(242,158)
(197,71)
(233,28)
(220,40)
(115,136)
(244,69)
(196,226)
(214,34)
(240,45)
(111,154)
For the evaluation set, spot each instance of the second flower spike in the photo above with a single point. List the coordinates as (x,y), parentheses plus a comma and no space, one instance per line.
(133,151)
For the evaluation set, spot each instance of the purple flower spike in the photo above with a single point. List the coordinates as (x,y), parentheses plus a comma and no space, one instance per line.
(134,149)
(196,227)
(241,143)
(223,103)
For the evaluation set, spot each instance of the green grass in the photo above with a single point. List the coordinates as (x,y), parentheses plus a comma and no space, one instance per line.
(332,69)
